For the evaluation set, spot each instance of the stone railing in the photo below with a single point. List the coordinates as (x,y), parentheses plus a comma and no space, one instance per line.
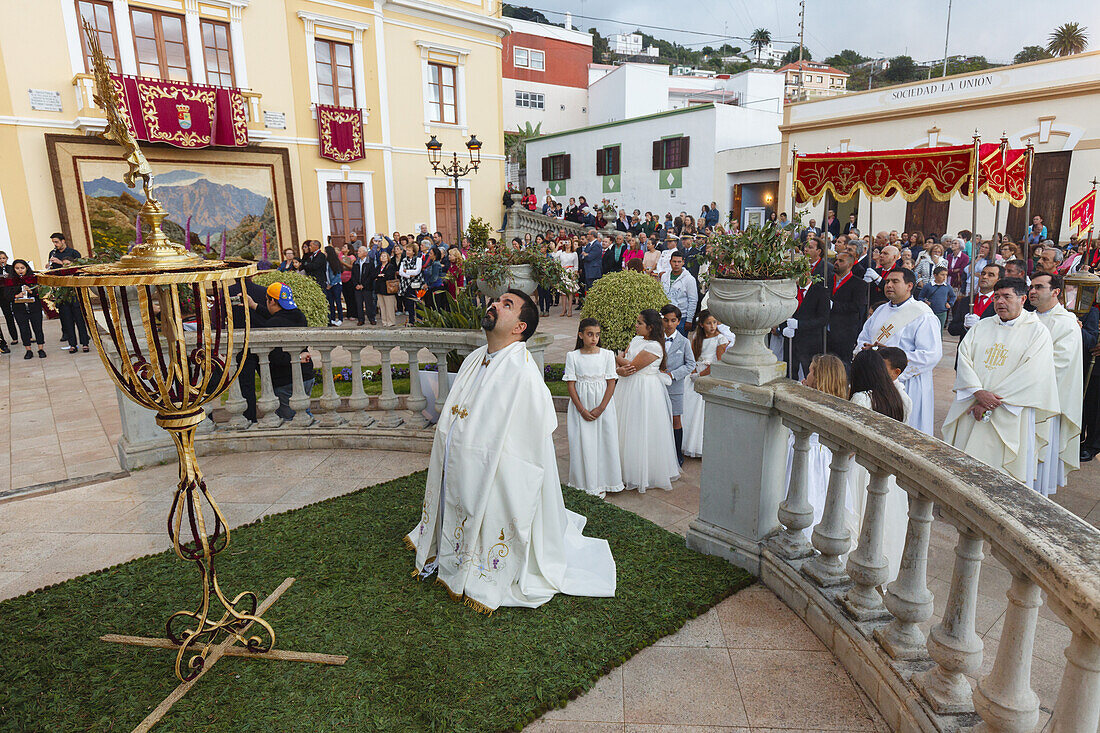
(749,514)
(389,420)
(521,221)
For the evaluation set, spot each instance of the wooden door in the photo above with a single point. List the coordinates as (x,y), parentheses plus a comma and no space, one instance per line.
(1048,196)
(446,211)
(927,215)
(345,211)
(735,203)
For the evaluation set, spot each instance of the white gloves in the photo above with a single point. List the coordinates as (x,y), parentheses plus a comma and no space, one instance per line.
(970,320)
(792,323)
(788,332)
(871,276)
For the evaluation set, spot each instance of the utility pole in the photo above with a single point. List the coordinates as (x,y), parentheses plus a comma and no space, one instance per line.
(801,29)
(946,37)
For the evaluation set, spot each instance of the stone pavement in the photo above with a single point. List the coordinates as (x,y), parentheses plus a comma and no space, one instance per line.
(747,664)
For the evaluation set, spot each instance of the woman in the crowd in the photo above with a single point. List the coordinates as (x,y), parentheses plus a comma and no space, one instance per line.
(872,388)
(290,261)
(411,281)
(646,443)
(570,261)
(650,258)
(931,258)
(633,251)
(456,279)
(334,291)
(21,290)
(436,297)
(529,200)
(347,259)
(708,344)
(386,285)
(1008,250)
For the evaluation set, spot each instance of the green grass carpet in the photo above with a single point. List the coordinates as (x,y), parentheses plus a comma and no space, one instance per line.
(417,660)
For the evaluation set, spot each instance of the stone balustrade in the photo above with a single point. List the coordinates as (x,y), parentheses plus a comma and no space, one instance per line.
(521,221)
(840,584)
(389,421)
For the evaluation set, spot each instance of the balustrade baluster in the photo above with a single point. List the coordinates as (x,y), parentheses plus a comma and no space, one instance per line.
(795,512)
(444,379)
(388,400)
(236,405)
(359,401)
(299,398)
(1078,706)
(416,401)
(908,598)
(1004,697)
(830,537)
(867,565)
(953,643)
(330,401)
(268,403)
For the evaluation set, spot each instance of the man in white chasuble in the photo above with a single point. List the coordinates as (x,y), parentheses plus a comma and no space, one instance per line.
(1005,387)
(494,525)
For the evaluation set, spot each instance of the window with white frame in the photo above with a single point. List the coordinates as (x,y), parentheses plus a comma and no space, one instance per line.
(530,100)
(528,58)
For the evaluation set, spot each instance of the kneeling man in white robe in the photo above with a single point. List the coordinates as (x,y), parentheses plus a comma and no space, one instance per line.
(1004,387)
(493,523)
(1063,451)
(905,322)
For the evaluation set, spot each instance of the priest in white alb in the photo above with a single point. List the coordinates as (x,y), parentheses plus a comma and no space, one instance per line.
(493,524)
(905,322)
(1063,451)
(1004,387)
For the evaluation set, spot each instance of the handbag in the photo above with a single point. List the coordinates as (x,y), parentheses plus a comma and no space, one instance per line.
(345,276)
(392,287)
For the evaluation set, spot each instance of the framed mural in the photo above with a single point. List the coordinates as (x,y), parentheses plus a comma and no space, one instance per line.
(243,197)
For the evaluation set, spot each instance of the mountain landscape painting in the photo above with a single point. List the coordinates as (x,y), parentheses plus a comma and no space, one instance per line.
(237,201)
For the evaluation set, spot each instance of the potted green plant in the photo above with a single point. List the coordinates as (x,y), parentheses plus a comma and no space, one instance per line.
(754,279)
(498,267)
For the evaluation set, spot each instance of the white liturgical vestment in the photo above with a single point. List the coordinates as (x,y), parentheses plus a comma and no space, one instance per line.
(1014,360)
(1063,452)
(913,328)
(493,520)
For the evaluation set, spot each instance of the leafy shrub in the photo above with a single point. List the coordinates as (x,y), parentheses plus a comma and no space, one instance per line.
(767,252)
(616,300)
(307,294)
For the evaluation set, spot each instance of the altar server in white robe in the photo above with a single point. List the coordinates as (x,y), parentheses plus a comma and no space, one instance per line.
(1063,451)
(910,325)
(493,523)
(1004,387)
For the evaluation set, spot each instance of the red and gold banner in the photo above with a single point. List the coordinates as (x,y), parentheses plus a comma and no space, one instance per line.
(1081,213)
(1002,174)
(340,131)
(881,174)
(183,115)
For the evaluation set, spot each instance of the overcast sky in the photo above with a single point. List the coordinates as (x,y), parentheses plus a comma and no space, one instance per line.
(996,29)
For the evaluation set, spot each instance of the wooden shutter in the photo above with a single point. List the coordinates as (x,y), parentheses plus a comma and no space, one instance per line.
(565,167)
(615,161)
(546,169)
(658,159)
(684,151)
(601,162)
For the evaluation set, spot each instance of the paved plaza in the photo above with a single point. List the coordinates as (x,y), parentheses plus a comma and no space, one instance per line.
(747,664)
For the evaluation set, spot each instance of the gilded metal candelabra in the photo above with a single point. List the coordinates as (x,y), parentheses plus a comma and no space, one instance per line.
(147,355)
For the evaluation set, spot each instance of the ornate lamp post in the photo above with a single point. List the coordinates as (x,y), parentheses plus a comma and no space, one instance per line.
(147,355)
(455,169)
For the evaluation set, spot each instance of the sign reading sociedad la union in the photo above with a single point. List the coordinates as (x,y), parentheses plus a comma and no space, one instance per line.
(948,87)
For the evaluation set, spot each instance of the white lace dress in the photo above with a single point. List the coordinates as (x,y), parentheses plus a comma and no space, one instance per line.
(646,445)
(594,464)
(692,419)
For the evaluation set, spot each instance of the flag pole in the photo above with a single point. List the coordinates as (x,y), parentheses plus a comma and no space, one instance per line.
(794,194)
(871,264)
(997,210)
(974,218)
(1027,199)
(1088,239)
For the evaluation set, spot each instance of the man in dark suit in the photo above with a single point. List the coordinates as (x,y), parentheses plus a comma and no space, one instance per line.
(6,303)
(963,316)
(889,260)
(612,259)
(591,260)
(363,272)
(813,230)
(850,229)
(806,328)
(849,308)
(313,264)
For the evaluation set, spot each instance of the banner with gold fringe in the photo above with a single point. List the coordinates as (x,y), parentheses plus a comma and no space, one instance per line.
(181,114)
(340,132)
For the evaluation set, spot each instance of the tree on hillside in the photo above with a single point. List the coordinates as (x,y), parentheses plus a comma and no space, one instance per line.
(902,69)
(1068,38)
(760,37)
(792,56)
(846,58)
(600,47)
(520,12)
(1030,53)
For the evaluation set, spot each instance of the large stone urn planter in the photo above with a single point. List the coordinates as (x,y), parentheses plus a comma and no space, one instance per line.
(520,278)
(751,308)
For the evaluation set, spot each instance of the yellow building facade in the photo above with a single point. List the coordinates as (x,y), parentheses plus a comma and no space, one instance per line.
(412,68)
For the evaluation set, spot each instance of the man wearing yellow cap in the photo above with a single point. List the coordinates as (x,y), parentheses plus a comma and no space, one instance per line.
(280,311)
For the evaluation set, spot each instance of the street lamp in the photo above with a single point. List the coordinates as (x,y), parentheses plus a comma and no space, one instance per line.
(455,169)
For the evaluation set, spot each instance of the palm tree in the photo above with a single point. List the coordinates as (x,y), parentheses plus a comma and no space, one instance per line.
(1067,39)
(760,37)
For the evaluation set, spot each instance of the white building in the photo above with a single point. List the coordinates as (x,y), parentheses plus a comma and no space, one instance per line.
(630,44)
(767,54)
(1054,103)
(674,160)
(544,71)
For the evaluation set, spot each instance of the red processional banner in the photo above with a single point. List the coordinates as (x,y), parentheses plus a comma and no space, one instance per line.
(181,114)
(1002,174)
(1081,213)
(881,174)
(340,131)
